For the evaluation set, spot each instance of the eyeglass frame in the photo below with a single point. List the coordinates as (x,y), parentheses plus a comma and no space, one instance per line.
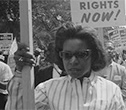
(76,54)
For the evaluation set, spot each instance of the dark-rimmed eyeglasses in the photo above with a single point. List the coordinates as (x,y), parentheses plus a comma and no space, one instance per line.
(84,54)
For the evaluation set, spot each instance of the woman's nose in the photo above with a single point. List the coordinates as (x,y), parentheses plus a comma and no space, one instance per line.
(73,60)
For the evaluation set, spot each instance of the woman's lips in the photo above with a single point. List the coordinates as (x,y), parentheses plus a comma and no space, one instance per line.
(74,69)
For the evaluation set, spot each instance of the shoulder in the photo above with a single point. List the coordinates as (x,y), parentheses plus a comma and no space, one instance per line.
(106,83)
(118,66)
(114,63)
(4,65)
(52,82)
(108,86)
(57,80)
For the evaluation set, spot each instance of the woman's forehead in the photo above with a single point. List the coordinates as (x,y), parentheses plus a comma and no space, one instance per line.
(74,44)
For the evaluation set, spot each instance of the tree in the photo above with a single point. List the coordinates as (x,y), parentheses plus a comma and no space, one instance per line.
(9,17)
(48,14)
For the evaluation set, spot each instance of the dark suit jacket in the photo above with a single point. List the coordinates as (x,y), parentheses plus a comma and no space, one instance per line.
(44,74)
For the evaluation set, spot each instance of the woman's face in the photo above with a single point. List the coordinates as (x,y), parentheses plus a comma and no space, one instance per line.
(76,61)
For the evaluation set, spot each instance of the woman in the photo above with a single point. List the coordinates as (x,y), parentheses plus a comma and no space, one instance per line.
(80,54)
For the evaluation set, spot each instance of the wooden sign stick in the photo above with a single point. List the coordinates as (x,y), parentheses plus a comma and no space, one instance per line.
(27,38)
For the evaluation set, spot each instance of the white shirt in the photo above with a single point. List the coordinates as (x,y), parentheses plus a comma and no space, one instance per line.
(56,71)
(5,75)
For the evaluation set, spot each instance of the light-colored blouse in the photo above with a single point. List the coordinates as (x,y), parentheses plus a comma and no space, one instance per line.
(65,93)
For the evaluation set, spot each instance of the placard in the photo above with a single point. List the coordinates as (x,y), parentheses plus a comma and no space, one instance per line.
(98,13)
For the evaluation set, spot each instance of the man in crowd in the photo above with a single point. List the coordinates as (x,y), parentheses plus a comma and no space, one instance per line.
(114,71)
(5,76)
(123,58)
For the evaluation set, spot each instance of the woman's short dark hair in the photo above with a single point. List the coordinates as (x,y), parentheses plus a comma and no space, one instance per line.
(71,31)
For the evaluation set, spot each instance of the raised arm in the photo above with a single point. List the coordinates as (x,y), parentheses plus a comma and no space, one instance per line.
(22,58)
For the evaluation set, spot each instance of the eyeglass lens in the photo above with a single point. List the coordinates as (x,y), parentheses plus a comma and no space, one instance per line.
(69,55)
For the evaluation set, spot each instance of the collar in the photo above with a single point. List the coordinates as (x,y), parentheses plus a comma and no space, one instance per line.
(111,64)
(57,68)
(91,79)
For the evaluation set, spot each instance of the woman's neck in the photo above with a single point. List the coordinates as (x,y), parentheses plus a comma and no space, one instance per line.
(87,75)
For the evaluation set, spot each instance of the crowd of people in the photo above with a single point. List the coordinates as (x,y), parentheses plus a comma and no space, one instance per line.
(81,73)
(88,75)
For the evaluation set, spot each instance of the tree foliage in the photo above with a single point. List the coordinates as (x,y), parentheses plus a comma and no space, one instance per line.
(9,17)
(46,15)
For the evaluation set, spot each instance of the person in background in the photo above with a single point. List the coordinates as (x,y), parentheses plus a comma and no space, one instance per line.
(114,71)
(124,58)
(5,54)
(2,58)
(51,70)
(5,76)
(117,57)
(80,54)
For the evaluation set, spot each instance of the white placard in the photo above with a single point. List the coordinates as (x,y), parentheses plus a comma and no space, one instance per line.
(123,37)
(115,37)
(6,40)
(98,13)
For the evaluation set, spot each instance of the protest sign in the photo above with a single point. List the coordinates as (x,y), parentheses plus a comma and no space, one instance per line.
(11,61)
(98,13)
(114,35)
(123,37)
(118,36)
(6,40)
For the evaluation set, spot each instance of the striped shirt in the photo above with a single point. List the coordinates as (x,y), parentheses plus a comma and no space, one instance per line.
(117,74)
(65,93)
